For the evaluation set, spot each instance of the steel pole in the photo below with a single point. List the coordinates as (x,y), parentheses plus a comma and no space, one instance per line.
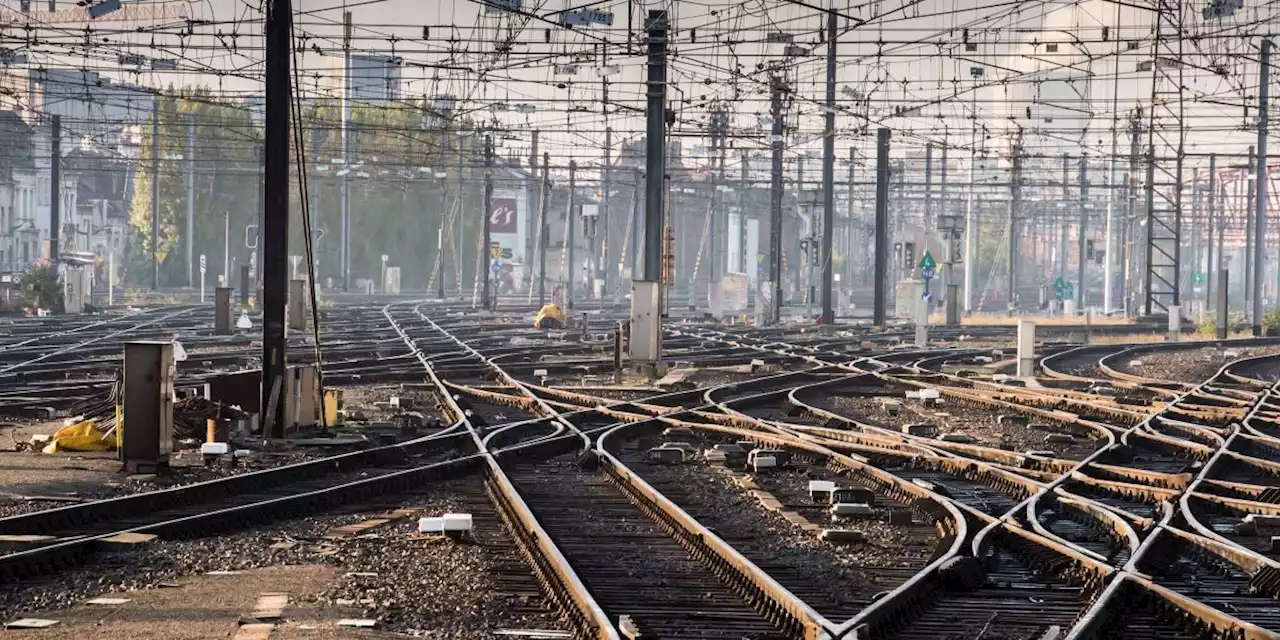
(829,175)
(191,194)
(55,188)
(882,223)
(775,205)
(275,218)
(155,193)
(1260,215)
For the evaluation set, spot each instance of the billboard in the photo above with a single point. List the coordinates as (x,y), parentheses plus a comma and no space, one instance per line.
(502,216)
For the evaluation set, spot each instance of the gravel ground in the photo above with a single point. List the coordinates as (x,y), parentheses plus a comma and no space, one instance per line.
(837,580)
(980,423)
(1191,367)
(411,583)
(29,480)
(93,476)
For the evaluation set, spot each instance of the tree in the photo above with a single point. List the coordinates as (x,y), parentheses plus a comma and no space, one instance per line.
(396,207)
(41,287)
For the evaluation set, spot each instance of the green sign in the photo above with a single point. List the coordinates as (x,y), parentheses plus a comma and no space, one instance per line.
(927,262)
(1197,277)
(1062,288)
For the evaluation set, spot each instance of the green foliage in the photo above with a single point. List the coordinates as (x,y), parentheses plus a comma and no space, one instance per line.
(41,288)
(1271,322)
(395,207)
(1208,325)
(1235,319)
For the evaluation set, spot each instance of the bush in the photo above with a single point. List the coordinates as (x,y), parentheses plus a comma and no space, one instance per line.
(41,288)
(1271,322)
(1208,325)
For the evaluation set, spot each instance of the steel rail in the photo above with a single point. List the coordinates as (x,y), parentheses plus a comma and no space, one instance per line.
(539,549)
(1087,624)
(630,483)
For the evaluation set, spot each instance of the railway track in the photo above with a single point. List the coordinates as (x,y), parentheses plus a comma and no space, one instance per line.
(1135,518)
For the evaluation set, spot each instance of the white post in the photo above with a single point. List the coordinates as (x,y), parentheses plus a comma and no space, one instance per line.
(1026,348)
(922,322)
(111,278)
(202,271)
(1175,323)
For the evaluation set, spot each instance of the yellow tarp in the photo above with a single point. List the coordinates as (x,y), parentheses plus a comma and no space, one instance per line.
(81,436)
(549,317)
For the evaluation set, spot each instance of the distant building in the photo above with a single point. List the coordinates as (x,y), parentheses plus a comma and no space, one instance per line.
(25,191)
(374,78)
(94,108)
(99,223)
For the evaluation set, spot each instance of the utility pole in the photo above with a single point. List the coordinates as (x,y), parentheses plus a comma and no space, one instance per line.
(444,207)
(1210,268)
(745,261)
(775,205)
(603,267)
(488,215)
(1249,240)
(850,232)
(543,196)
(1131,198)
(944,206)
(275,215)
(55,186)
(927,224)
(155,193)
(1195,237)
(646,298)
(1015,205)
(970,225)
(570,239)
(717,140)
(460,198)
(1084,221)
(1061,268)
(882,223)
(720,219)
(346,153)
(1260,216)
(804,274)
(191,195)
(829,176)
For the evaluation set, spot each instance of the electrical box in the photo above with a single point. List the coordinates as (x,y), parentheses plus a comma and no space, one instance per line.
(75,288)
(146,424)
(391,282)
(905,296)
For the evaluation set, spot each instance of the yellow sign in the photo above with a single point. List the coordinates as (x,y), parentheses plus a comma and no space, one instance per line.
(495,250)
